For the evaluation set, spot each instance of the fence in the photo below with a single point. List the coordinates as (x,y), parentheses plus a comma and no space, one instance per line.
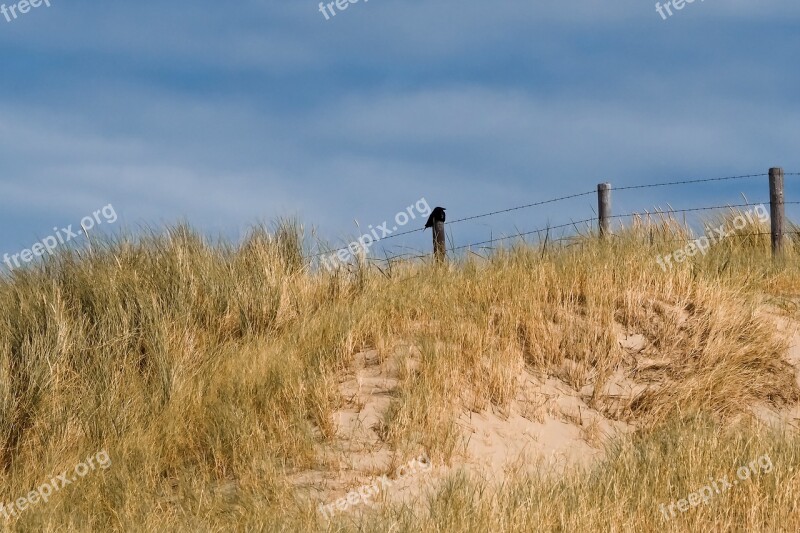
(604,191)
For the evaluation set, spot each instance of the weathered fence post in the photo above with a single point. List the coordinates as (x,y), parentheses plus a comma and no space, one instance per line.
(776,209)
(604,207)
(436,223)
(439,247)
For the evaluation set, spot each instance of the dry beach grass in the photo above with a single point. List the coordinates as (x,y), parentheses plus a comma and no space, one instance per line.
(236,389)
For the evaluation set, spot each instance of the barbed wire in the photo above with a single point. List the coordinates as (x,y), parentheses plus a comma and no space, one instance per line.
(629,187)
(543,202)
(578,195)
(684,182)
(523,206)
(689,210)
(422,255)
(540,230)
(577,240)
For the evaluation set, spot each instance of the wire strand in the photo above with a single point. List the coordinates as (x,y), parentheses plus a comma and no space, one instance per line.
(576,237)
(578,195)
(694,209)
(543,202)
(684,182)
(548,228)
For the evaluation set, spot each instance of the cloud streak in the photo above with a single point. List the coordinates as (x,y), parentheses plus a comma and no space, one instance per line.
(225,117)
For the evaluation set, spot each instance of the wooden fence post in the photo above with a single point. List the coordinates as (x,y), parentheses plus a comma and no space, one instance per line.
(436,223)
(776,209)
(604,208)
(439,247)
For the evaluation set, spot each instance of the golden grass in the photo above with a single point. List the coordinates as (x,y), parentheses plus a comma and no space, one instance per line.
(626,490)
(210,374)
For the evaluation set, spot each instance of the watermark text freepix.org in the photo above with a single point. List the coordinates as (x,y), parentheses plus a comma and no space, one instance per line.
(57,483)
(366,492)
(62,236)
(23,7)
(340,5)
(665,10)
(702,244)
(707,493)
(368,239)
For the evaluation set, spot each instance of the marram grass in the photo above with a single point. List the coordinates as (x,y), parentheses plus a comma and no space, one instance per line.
(209,373)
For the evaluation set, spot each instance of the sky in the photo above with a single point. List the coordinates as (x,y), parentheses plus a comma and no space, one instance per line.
(228,114)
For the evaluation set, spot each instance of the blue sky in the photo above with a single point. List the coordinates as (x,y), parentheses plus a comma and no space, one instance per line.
(225,114)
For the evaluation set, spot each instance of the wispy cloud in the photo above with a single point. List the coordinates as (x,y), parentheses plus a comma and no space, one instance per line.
(226,115)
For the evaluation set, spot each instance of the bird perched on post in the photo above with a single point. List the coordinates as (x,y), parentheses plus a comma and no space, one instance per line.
(437,215)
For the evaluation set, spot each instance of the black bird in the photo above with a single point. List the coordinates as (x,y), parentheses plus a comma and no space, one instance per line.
(436,216)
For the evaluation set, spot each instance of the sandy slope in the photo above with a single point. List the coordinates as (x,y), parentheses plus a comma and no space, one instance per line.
(549,425)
